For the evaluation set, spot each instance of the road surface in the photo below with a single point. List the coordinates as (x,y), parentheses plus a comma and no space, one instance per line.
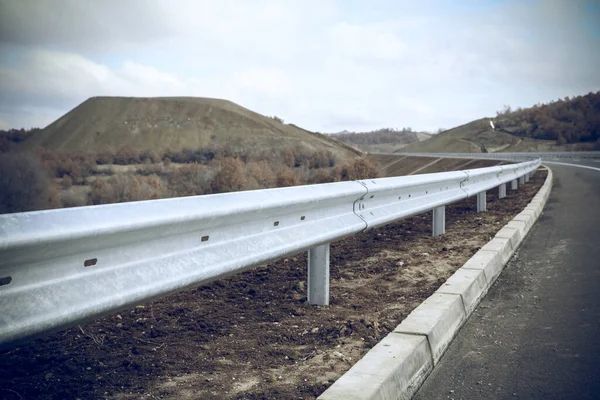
(536,335)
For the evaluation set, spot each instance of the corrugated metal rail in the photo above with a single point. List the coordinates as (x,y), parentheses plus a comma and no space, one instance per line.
(59,268)
(510,156)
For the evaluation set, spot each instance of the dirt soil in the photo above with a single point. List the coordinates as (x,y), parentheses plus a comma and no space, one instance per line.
(253,336)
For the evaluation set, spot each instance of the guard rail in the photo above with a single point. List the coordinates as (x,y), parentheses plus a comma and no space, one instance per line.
(59,268)
(509,156)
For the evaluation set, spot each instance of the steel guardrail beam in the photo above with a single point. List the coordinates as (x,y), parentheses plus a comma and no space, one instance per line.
(60,268)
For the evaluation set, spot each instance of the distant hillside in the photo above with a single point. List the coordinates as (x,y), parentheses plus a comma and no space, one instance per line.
(387,139)
(570,124)
(572,120)
(174,123)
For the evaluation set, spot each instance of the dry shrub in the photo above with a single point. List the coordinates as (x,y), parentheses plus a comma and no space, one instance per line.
(286,177)
(123,188)
(105,157)
(24,185)
(76,165)
(322,159)
(288,158)
(231,176)
(322,176)
(67,182)
(68,199)
(302,156)
(149,157)
(127,155)
(150,169)
(260,175)
(189,180)
(357,169)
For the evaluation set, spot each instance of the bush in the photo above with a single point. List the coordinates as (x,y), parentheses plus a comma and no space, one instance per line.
(260,175)
(230,177)
(24,185)
(288,158)
(105,157)
(149,157)
(322,176)
(189,180)
(360,168)
(127,155)
(150,169)
(286,177)
(123,188)
(322,159)
(67,182)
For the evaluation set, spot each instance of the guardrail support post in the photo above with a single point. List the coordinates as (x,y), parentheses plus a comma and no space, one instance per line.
(522,180)
(502,191)
(481,202)
(514,185)
(318,275)
(439,221)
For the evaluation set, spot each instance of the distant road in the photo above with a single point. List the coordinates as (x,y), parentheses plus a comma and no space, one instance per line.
(589,164)
(536,335)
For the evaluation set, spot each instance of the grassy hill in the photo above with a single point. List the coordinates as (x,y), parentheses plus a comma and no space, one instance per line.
(476,137)
(382,140)
(563,125)
(174,123)
(568,120)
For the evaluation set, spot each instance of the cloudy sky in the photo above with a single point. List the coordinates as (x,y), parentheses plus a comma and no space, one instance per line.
(323,65)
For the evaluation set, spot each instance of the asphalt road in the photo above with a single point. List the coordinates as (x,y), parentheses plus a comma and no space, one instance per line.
(536,335)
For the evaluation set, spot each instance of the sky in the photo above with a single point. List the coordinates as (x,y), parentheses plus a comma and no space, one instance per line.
(325,65)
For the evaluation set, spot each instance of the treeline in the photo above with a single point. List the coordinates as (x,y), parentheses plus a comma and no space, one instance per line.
(33,180)
(570,120)
(12,137)
(380,136)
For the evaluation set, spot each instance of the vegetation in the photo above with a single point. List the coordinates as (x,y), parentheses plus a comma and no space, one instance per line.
(368,141)
(130,175)
(24,185)
(571,120)
(10,138)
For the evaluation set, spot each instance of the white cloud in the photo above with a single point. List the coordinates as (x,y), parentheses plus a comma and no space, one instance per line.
(320,64)
(372,42)
(270,82)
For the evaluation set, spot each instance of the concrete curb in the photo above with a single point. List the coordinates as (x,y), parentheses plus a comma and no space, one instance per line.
(397,366)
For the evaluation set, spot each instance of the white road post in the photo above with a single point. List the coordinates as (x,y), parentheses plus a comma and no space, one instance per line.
(514,185)
(502,191)
(318,275)
(439,221)
(481,202)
